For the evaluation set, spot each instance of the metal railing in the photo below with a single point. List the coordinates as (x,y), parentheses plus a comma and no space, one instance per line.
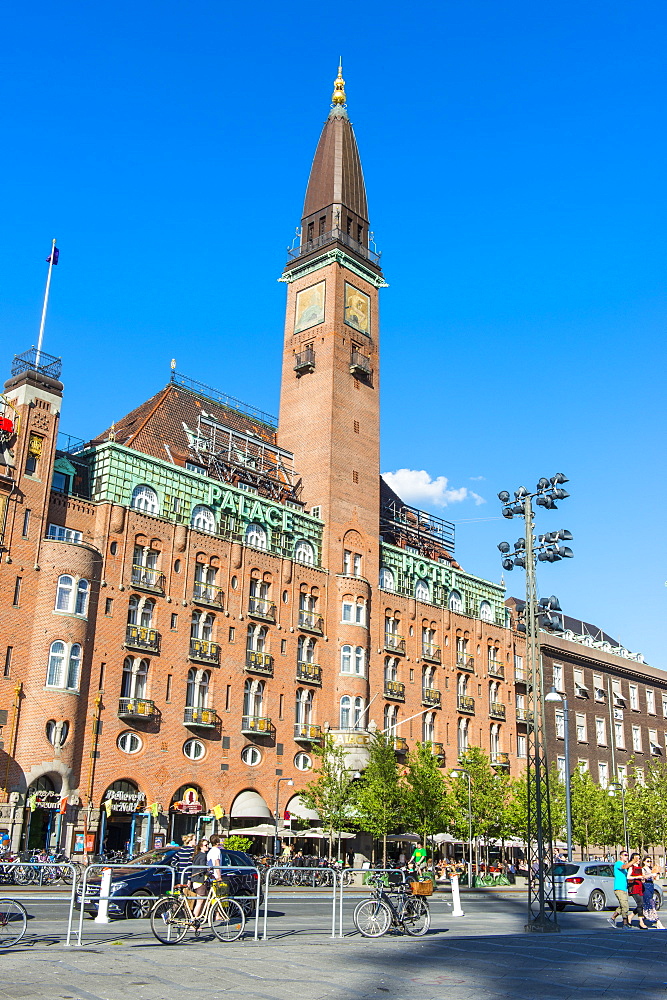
(334,236)
(395,690)
(304,361)
(496,668)
(308,732)
(260,607)
(142,637)
(524,715)
(500,759)
(207,593)
(394,643)
(465,662)
(259,663)
(253,724)
(311,621)
(465,703)
(310,673)
(204,651)
(39,361)
(207,717)
(431,697)
(497,710)
(431,652)
(136,708)
(360,363)
(400,744)
(148,577)
(85,896)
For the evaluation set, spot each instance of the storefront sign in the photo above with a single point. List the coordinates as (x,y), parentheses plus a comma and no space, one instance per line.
(124,802)
(45,800)
(250,510)
(189,803)
(78,842)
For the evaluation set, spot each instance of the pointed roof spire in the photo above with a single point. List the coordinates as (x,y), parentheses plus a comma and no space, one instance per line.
(338,97)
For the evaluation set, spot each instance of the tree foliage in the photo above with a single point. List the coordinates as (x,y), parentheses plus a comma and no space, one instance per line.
(427,809)
(330,792)
(379,795)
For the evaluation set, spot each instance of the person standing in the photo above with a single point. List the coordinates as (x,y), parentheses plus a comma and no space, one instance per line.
(198,878)
(419,857)
(214,856)
(649,902)
(621,891)
(636,886)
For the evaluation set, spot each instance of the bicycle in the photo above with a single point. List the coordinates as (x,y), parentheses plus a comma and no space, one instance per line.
(13,922)
(172,916)
(373,917)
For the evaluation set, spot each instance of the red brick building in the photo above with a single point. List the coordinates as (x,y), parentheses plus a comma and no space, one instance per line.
(191,599)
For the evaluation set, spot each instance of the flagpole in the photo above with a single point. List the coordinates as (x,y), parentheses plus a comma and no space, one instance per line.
(46,302)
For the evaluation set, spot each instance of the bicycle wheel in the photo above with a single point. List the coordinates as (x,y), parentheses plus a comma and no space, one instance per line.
(372,917)
(227,920)
(13,922)
(170,919)
(416,916)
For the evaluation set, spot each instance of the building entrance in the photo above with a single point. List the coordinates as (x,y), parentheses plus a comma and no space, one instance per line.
(185,812)
(43,815)
(121,825)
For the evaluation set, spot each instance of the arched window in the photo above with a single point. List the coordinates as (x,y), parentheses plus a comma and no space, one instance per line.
(462,685)
(303,706)
(55,670)
(306,649)
(64,593)
(57,732)
(422,592)
(386,579)
(146,618)
(358,712)
(74,667)
(391,668)
(81,598)
(203,519)
(144,498)
(304,553)
(455,601)
(197,689)
(257,635)
(346,659)
(428,678)
(253,697)
(494,688)
(255,536)
(390,718)
(207,626)
(495,740)
(462,736)
(133,610)
(345,709)
(428,727)
(486,612)
(135,672)
(359,660)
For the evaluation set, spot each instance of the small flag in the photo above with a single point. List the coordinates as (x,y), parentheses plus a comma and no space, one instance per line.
(218,812)
(32,802)
(63,805)
(108,807)
(154,809)
(54,255)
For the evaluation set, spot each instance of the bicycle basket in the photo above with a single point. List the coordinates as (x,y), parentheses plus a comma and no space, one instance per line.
(220,888)
(422,888)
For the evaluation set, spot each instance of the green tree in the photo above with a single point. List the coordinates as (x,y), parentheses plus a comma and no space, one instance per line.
(379,795)
(588,810)
(656,783)
(517,806)
(235,843)
(330,792)
(489,798)
(427,809)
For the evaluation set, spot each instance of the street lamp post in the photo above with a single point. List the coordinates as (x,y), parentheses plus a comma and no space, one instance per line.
(290,782)
(614,787)
(555,697)
(455,773)
(545,613)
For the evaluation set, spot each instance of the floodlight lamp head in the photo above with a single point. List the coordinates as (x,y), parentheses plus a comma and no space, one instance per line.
(565,535)
(560,494)
(520,560)
(520,543)
(507,513)
(521,627)
(564,551)
(543,484)
(508,564)
(517,508)
(504,496)
(554,603)
(521,493)
(503,546)
(543,556)
(558,479)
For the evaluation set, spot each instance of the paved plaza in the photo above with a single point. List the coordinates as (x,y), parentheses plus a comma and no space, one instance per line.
(482,955)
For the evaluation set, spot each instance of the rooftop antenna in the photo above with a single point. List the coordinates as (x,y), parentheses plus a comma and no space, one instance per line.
(51,260)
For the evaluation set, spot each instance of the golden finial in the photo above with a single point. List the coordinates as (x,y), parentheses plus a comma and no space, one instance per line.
(338,96)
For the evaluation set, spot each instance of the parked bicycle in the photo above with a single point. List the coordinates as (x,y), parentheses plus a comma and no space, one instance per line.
(400,908)
(13,922)
(173,915)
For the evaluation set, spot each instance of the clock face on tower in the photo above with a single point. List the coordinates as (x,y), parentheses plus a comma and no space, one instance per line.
(309,307)
(357,309)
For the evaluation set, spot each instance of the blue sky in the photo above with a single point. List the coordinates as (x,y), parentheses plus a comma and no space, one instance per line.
(515,160)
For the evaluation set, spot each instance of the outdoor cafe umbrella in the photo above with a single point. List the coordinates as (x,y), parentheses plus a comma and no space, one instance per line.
(323,835)
(410,838)
(262,830)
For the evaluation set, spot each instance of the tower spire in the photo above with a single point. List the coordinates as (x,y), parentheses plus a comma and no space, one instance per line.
(338,97)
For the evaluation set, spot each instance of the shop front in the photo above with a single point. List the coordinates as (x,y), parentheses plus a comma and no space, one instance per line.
(125,824)
(188,815)
(45,808)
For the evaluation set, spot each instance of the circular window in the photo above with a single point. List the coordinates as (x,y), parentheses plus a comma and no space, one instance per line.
(235,582)
(303,761)
(113,548)
(285,597)
(194,749)
(129,743)
(177,566)
(251,756)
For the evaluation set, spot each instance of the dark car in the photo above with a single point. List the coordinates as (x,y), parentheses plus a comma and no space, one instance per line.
(149,880)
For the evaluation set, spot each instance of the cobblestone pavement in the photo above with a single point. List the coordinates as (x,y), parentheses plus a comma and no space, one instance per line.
(480,957)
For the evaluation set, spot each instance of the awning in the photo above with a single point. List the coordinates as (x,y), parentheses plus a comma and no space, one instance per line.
(252,804)
(297,807)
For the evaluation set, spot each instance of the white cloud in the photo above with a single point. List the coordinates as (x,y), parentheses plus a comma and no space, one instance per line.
(415,486)
(477,479)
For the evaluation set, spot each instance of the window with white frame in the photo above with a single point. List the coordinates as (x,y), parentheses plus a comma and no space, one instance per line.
(619,735)
(253,697)
(422,591)
(72,595)
(203,519)
(390,718)
(255,536)
(428,678)
(494,739)
(64,666)
(196,695)
(428,641)
(304,553)
(560,764)
(353,660)
(428,727)
(521,746)
(518,665)
(303,707)
(135,678)
(356,564)
(634,697)
(144,498)
(598,689)
(347,562)
(129,742)
(462,736)
(560,722)
(354,611)
(140,611)
(256,641)
(455,601)
(391,668)
(600,732)
(653,741)
(622,772)
(637,739)
(639,776)
(558,676)
(351,712)
(60,534)
(581,727)
(386,579)
(201,625)
(664,705)
(650,701)
(306,649)
(582,765)
(486,611)
(603,773)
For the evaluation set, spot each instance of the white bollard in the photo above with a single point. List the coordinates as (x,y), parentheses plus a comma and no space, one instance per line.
(103,906)
(456,897)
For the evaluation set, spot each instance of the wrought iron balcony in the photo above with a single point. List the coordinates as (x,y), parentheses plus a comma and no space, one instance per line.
(304,361)
(140,637)
(497,710)
(431,652)
(394,643)
(519,675)
(260,607)
(465,703)
(400,744)
(136,708)
(256,725)
(431,697)
(524,715)
(148,578)
(465,662)
(360,365)
(496,669)
(259,663)
(500,760)
(395,690)
(309,673)
(310,621)
(438,750)
(207,593)
(205,717)
(334,236)
(204,651)
(305,732)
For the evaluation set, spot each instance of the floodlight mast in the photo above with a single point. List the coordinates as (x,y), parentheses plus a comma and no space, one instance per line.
(542,913)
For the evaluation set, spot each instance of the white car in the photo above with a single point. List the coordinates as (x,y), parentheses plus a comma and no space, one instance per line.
(589,884)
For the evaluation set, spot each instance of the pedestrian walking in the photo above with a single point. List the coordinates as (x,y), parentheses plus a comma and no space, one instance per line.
(649,902)
(198,880)
(621,891)
(213,858)
(419,857)
(636,886)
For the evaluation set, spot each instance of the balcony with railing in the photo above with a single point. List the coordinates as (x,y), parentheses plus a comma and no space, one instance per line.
(203,651)
(309,673)
(431,653)
(136,708)
(496,669)
(394,690)
(334,236)
(310,621)
(520,675)
(438,750)
(148,578)
(360,365)
(465,662)
(260,607)
(306,732)
(500,760)
(142,638)
(497,710)
(394,643)
(207,718)
(304,361)
(400,744)
(259,663)
(431,697)
(465,703)
(256,725)
(524,715)
(208,594)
